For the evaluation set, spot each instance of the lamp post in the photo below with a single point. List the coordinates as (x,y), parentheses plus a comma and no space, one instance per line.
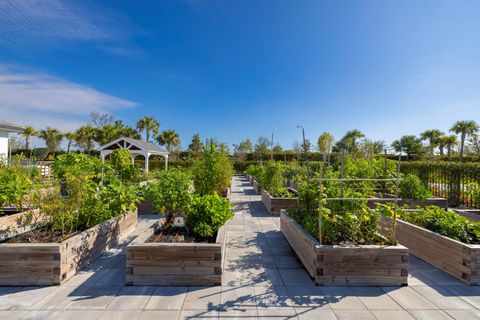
(305,150)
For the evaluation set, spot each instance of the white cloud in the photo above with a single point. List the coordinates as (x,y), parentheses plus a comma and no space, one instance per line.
(35,24)
(42,100)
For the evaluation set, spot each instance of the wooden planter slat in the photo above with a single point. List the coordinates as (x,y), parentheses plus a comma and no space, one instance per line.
(347,266)
(175,264)
(276,204)
(17,223)
(56,263)
(454,257)
(257,187)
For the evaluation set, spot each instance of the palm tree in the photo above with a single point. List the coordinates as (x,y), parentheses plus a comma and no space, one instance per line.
(52,138)
(450,141)
(433,136)
(350,138)
(85,137)
(148,124)
(28,132)
(464,128)
(70,136)
(169,138)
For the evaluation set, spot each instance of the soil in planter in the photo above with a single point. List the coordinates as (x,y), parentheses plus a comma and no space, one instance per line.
(11,211)
(168,233)
(44,235)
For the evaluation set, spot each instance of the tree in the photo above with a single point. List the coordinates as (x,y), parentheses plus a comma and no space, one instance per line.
(450,141)
(195,148)
(85,137)
(410,145)
(433,137)
(350,138)
(262,147)
(277,148)
(52,138)
(149,124)
(379,146)
(100,120)
(475,144)
(170,139)
(325,143)
(244,147)
(464,128)
(70,136)
(27,133)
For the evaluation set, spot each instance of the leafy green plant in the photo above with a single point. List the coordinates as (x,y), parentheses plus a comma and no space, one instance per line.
(14,186)
(207,214)
(473,190)
(213,172)
(411,187)
(79,164)
(444,222)
(171,192)
(123,166)
(272,179)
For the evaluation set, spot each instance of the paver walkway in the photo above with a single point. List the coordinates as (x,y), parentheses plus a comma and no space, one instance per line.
(262,280)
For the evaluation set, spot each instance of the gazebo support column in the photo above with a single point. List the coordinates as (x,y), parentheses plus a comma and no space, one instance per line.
(166,163)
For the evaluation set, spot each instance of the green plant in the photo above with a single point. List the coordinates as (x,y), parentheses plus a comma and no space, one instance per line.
(78,164)
(171,192)
(123,166)
(444,222)
(272,179)
(213,172)
(207,214)
(14,185)
(411,187)
(473,190)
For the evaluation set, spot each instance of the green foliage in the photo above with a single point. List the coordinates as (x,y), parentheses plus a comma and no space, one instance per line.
(411,187)
(272,179)
(473,190)
(212,173)
(15,183)
(444,222)
(88,203)
(207,214)
(78,164)
(122,164)
(171,192)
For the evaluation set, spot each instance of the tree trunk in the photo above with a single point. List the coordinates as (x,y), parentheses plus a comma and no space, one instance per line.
(462,143)
(449,150)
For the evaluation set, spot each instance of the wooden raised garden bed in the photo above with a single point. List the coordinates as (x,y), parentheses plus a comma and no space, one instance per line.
(175,264)
(371,265)
(257,187)
(412,204)
(18,222)
(275,204)
(24,264)
(451,256)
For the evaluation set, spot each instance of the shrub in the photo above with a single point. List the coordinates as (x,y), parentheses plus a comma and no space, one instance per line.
(123,166)
(208,214)
(14,186)
(412,188)
(171,192)
(79,164)
(473,190)
(212,173)
(272,179)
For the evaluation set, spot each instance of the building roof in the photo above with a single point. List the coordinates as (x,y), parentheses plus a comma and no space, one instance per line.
(10,127)
(134,144)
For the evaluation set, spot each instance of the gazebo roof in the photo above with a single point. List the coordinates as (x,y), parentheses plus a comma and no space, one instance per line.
(134,145)
(10,127)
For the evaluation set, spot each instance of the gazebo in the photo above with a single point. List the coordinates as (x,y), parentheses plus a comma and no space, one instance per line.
(136,147)
(5,129)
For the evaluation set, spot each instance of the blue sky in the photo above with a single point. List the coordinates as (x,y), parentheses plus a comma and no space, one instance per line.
(241,69)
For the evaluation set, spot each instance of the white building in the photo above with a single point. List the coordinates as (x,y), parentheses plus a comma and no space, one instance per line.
(5,129)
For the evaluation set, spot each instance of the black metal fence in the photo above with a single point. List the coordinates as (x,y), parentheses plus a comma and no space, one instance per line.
(447,179)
